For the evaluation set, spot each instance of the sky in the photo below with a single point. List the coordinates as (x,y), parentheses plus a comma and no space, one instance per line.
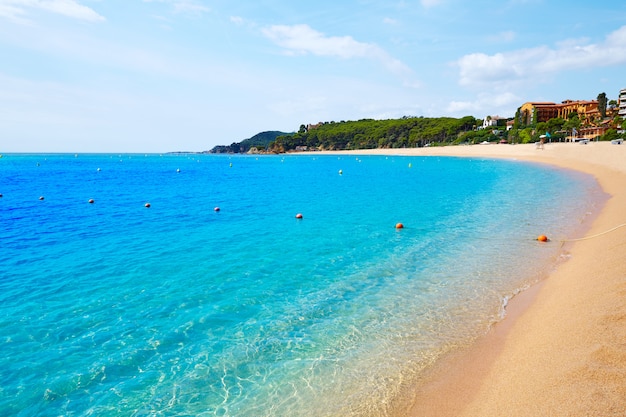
(186,75)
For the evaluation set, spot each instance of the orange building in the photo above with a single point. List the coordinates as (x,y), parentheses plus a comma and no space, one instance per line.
(586,110)
(541,111)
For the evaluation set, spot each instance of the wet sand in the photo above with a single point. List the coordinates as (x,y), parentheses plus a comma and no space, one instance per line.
(561,349)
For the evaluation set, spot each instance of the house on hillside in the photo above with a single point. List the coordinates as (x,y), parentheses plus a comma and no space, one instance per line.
(492,121)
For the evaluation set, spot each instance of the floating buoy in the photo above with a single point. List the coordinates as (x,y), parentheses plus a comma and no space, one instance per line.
(542,238)
(147,205)
(0,195)
(41,198)
(99,169)
(340,172)
(178,170)
(410,165)
(399,226)
(298,216)
(216,209)
(91,201)
(231,164)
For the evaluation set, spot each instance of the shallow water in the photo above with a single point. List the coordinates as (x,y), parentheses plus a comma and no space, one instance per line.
(113,308)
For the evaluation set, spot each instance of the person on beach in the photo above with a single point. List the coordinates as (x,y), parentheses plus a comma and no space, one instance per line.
(539,145)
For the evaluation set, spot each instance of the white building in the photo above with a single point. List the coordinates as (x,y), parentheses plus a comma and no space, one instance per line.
(491,121)
(622,103)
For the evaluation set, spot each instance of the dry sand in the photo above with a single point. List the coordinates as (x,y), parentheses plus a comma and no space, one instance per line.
(561,350)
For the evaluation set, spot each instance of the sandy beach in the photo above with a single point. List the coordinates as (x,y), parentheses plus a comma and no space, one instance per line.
(561,349)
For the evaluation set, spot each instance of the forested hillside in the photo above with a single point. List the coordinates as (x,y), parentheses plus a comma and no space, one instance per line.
(369,134)
(259,141)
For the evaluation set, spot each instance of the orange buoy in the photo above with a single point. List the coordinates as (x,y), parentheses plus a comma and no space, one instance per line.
(147,205)
(399,226)
(91,201)
(298,216)
(542,238)
(216,209)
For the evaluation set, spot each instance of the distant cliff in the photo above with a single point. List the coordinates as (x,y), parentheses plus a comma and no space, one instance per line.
(259,141)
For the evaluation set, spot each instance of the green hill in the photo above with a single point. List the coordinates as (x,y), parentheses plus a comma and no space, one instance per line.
(259,141)
(369,134)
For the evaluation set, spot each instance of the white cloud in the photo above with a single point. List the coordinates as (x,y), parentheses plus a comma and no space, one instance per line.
(302,40)
(14,13)
(184,6)
(190,6)
(479,69)
(70,8)
(502,104)
(17,10)
(238,20)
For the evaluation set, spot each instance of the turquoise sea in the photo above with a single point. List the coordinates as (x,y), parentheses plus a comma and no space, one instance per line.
(111,308)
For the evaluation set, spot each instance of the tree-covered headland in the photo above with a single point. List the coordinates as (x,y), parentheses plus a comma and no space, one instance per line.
(407,132)
(258,143)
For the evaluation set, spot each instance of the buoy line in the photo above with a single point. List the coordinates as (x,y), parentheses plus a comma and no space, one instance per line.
(596,235)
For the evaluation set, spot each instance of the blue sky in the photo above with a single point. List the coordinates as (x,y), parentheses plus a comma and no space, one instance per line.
(170,75)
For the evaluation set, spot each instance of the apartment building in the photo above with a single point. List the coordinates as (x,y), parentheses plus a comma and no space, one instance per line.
(622,103)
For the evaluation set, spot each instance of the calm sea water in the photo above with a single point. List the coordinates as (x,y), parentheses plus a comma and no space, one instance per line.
(111,308)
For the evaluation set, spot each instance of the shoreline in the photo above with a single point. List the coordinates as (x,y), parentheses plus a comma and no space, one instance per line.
(561,348)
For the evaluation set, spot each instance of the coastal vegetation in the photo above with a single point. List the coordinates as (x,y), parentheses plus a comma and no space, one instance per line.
(412,131)
(258,142)
(370,134)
